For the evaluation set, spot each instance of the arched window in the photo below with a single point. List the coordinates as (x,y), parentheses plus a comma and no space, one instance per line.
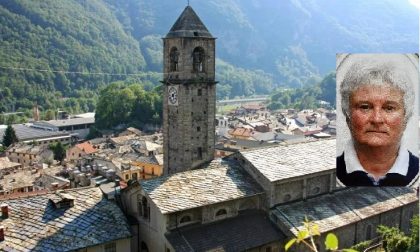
(221,212)
(198,59)
(185,218)
(145,208)
(369,232)
(174,58)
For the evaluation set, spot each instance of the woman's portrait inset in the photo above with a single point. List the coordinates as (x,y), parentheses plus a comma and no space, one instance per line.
(377,144)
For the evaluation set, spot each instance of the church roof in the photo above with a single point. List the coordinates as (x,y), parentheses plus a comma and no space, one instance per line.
(188,25)
(220,181)
(344,207)
(248,230)
(284,162)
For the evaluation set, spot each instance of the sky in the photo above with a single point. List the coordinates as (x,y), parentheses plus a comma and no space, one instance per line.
(415,3)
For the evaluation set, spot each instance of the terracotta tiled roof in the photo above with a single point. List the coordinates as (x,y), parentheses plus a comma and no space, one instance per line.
(244,132)
(86,147)
(34,224)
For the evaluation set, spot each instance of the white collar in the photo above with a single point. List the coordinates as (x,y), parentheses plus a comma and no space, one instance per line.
(353,164)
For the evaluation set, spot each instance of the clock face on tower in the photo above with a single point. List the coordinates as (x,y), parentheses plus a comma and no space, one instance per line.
(173,95)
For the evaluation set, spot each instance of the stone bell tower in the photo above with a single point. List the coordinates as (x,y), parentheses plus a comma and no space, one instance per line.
(189,100)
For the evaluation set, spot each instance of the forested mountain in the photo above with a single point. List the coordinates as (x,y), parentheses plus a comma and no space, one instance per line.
(86,44)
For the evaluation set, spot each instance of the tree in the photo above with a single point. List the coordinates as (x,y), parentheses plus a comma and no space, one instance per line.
(395,240)
(59,151)
(9,136)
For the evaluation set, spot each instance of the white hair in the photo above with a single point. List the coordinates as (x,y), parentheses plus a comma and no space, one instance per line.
(378,74)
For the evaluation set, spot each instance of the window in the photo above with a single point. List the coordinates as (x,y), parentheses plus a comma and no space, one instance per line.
(287,197)
(199,92)
(185,218)
(198,59)
(111,247)
(145,208)
(221,212)
(174,57)
(134,176)
(127,177)
(268,249)
(369,232)
(200,153)
(198,129)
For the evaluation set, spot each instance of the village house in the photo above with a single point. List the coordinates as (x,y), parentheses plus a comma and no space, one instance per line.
(51,178)
(70,220)
(7,166)
(24,181)
(21,181)
(241,133)
(80,150)
(131,131)
(29,155)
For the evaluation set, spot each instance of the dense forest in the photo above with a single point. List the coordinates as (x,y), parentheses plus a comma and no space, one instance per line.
(60,54)
(306,97)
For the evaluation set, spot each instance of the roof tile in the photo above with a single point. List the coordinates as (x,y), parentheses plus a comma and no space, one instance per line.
(221,181)
(36,225)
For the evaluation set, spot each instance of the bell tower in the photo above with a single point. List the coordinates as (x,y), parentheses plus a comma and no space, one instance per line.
(189,101)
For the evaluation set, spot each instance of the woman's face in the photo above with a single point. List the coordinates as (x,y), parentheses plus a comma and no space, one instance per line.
(377,116)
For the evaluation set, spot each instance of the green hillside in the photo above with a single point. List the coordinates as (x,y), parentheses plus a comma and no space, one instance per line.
(69,36)
(61,53)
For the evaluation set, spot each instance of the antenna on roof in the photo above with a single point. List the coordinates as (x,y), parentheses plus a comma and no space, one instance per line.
(188,2)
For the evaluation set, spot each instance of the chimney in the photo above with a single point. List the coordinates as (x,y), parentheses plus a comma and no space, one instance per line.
(54,185)
(1,233)
(4,211)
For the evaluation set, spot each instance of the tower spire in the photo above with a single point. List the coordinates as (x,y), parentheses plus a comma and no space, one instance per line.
(189,101)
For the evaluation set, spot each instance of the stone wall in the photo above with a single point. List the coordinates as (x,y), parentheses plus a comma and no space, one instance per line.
(189,125)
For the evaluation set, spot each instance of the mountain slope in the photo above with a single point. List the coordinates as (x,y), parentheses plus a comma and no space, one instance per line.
(293,40)
(262,44)
(74,36)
